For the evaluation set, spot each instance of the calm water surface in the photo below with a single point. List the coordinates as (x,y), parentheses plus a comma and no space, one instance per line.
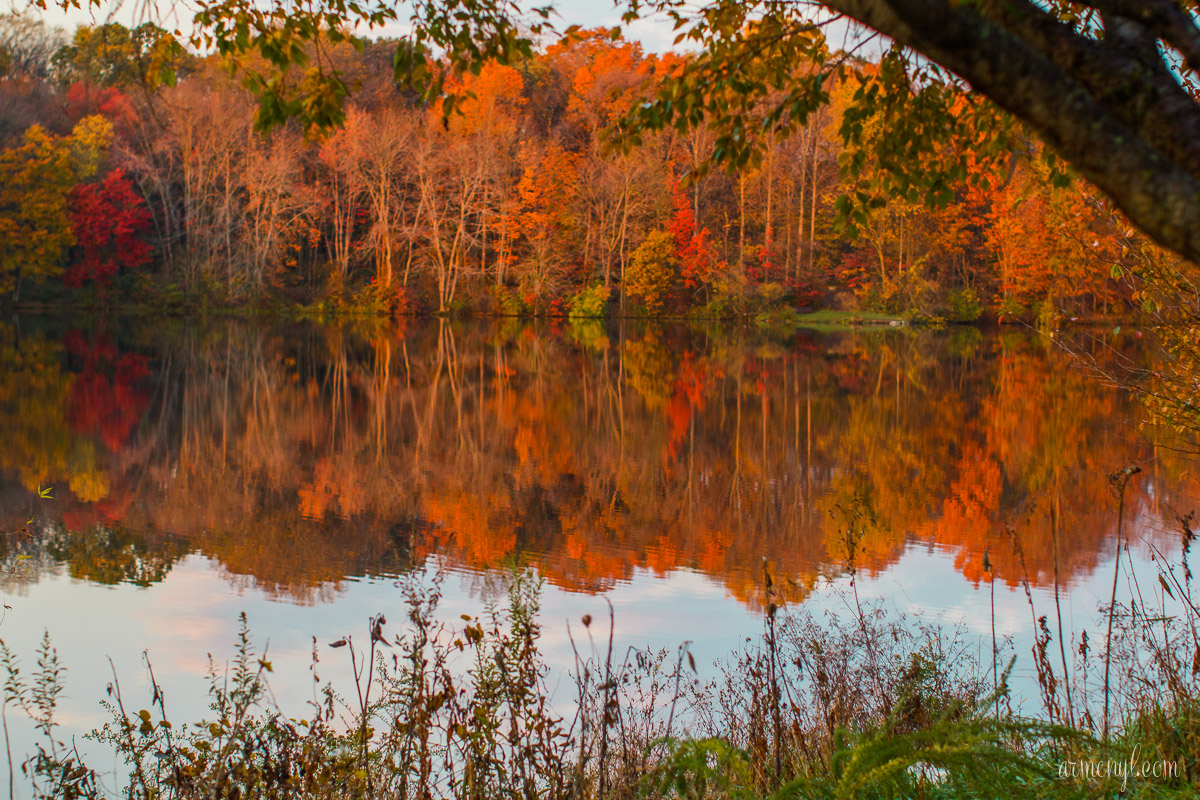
(296,473)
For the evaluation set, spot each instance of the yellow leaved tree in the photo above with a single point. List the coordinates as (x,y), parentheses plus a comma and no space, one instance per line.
(35,179)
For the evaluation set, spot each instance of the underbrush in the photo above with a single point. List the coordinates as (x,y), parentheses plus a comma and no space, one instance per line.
(862,705)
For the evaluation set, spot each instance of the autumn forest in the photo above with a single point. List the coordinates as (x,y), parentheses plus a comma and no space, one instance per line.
(132,172)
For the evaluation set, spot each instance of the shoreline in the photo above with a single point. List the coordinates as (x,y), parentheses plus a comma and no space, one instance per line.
(772,319)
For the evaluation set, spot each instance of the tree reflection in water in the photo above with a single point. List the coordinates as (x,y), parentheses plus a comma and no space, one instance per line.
(299,455)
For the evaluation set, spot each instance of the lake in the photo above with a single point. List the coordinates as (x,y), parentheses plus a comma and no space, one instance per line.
(298,472)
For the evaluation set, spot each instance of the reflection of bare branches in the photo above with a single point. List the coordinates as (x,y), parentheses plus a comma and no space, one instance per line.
(1165,373)
(1162,370)
(25,561)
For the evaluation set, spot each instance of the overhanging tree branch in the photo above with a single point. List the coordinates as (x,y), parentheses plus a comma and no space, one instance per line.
(1056,93)
(1164,19)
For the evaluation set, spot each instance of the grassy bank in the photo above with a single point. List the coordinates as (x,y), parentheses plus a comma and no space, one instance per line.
(294,309)
(869,705)
(769,316)
(832,319)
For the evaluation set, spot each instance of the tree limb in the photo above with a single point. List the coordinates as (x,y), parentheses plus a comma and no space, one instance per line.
(1159,193)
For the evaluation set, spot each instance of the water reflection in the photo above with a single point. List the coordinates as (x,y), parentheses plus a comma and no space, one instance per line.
(296,456)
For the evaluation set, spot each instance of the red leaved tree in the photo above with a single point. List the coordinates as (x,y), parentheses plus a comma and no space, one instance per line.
(107,396)
(697,257)
(107,219)
(85,99)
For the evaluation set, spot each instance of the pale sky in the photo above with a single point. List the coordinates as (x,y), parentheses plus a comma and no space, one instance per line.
(655,35)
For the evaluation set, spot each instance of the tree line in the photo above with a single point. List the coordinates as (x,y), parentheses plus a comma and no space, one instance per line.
(133,168)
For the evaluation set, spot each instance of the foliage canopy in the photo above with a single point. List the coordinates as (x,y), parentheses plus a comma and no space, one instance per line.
(1107,84)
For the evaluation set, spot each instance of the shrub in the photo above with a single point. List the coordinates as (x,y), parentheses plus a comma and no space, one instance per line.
(729,299)
(1047,315)
(779,318)
(650,276)
(591,301)
(1011,308)
(509,302)
(387,300)
(882,299)
(768,295)
(963,306)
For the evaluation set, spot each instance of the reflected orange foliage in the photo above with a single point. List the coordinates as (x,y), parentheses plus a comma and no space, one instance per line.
(297,457)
